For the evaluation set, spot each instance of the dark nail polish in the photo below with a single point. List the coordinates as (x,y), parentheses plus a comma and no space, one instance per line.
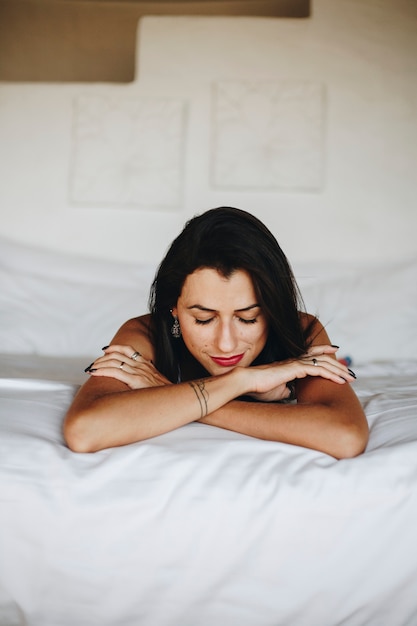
(87,369)
(352,373)
(105,347)
(93,369)
(333,346)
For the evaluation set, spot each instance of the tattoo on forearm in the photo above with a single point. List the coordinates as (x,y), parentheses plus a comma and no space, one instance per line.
(200,391)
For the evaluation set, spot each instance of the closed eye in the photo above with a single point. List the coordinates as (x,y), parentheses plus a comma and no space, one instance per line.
(241,319)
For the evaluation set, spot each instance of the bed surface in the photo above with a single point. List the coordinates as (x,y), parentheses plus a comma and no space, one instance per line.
(203,526)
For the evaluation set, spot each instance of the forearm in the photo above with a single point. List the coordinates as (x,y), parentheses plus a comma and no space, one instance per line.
(328,428)
(117,407)
(100,420)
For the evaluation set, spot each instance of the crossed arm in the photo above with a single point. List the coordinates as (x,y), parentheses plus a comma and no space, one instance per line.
(117,406)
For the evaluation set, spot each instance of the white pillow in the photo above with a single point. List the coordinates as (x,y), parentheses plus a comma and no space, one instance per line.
(56,304)
(370,313)
(26,259)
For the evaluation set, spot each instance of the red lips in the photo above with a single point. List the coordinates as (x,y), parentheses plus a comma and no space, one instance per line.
(227,361)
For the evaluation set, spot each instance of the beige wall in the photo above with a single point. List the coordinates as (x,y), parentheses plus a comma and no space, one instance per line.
(86,40)
(361,56)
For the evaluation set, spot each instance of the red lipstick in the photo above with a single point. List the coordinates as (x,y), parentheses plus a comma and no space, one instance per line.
(227,361)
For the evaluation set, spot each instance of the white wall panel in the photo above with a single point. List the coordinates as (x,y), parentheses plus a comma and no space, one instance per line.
(332,172)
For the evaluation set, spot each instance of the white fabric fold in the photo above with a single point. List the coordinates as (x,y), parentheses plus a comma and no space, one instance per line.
(203,526)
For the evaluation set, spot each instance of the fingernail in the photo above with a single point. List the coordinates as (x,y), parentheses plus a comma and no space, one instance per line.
(352,373)
(105,347)
(333,346)
(93,369)
(87,369)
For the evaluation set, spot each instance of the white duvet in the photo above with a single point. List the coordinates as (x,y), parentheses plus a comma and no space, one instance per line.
(205,527)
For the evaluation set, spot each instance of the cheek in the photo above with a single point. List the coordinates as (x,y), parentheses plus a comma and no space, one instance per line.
(195,337)
(260,336)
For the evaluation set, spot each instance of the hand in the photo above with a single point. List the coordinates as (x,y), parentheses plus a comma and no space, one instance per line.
(269,382)
(277,394)
(137,373)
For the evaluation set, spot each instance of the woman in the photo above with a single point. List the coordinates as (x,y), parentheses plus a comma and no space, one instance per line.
(225,344)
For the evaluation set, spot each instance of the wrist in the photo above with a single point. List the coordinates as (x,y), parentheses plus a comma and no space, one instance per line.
(239,379)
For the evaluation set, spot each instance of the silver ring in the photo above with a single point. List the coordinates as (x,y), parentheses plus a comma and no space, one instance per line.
(121,365)
(314,361)
(135,355)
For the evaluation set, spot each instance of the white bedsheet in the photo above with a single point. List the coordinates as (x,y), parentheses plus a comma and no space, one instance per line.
(205,527)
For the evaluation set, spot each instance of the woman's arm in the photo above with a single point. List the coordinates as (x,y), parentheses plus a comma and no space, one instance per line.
(119,406)
(321,420)
(106,413)
(327,416)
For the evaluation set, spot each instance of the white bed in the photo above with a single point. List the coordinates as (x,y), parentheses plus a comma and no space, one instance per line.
(201,526)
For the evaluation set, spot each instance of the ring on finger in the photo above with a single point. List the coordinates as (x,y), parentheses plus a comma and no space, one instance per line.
(135,355)
(314,361)
(121,365)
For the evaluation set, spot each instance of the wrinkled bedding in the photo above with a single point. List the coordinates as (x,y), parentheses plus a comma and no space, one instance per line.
(202,526)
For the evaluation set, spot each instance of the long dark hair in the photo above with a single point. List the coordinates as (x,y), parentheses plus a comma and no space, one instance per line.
(228,239)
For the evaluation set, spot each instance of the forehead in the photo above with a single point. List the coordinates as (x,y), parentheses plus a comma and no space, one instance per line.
(207,287)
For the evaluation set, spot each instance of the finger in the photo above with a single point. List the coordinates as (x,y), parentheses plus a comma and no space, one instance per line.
(326,360)
(322,349)
(327,367)
(115,357)
(131,376)
(128,351)
(114,372)
(344,375)
(118,361)
(100,361)
(337,366)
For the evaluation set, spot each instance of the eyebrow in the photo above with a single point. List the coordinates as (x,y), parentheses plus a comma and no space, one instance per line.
(200,307)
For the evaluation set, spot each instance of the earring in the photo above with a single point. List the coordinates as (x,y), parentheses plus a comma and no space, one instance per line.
(176,329)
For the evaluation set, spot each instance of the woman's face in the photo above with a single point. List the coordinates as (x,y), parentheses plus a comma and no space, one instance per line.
(221,321)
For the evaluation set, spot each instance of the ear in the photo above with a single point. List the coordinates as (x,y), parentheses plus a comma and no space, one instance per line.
(174,311)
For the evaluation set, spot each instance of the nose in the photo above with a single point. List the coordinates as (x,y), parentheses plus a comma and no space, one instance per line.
(226,338)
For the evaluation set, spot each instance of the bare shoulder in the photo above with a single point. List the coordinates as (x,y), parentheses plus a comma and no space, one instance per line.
(136,332)
(139,324)
(317,334)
